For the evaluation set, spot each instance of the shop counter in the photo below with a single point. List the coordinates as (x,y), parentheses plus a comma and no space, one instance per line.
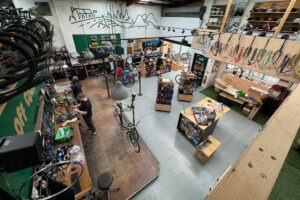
(188,126)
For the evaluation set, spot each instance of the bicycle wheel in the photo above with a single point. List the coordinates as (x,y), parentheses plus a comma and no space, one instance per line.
(133,138)
(177,78)
(128,81)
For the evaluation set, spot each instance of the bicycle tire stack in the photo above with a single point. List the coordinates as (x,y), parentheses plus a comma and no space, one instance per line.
(25,49)
(165,92)
(186,86)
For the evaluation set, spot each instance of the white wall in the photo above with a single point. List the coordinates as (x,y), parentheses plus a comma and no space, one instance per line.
(58,40)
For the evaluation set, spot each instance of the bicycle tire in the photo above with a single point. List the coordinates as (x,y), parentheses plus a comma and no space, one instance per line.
(31,36)
(30,65)
(133,138)
(128,81)
(177,78)
(117,117)
(43,26)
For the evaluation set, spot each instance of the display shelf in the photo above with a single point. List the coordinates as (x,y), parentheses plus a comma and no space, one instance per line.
(186,86)
(259,7)
(216,16)
(189,127)
(287,24)
(165,92)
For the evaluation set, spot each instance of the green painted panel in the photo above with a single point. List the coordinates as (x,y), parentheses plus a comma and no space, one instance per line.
(19,117)
(82,41)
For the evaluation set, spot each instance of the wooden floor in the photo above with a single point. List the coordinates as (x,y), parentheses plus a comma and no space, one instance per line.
(109,149)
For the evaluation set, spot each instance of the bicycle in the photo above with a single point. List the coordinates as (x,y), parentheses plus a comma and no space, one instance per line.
(131,132)
(127,79)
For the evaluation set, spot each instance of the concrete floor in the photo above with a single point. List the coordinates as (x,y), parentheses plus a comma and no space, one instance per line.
(181,175)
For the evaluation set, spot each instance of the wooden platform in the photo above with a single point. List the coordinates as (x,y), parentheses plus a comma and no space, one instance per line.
(163,107)
(109,150)
(183,97)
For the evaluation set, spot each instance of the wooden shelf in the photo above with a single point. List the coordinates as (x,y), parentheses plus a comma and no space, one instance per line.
(287,24)
(216,16)
(213,25)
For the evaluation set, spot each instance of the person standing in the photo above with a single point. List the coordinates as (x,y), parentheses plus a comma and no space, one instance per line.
(85,109)
(75,86)
(159,62)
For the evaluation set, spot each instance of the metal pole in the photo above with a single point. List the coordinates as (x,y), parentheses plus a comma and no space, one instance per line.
(140,84)
(107,88)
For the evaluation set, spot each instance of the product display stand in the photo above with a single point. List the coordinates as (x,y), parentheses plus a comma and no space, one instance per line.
(165,92)
(186,86)
(197,130)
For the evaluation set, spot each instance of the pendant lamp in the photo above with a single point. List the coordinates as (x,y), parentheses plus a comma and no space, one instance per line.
(88,55)
(119,92)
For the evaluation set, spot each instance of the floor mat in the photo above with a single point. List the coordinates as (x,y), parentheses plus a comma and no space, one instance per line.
(109,150)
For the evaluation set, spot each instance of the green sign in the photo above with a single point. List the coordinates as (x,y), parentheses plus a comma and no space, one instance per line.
(83,41)
(17,117)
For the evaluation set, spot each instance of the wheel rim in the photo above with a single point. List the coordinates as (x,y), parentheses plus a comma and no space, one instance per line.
(133,137)
(129,82)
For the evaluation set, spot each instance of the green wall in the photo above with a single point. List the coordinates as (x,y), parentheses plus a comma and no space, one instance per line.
(82,41)
(18,117)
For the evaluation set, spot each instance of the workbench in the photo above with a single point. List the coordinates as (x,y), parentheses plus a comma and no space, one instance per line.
(188,126)
(229,85)
(84,180)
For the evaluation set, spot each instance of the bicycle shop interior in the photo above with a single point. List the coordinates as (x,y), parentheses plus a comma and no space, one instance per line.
(150,99)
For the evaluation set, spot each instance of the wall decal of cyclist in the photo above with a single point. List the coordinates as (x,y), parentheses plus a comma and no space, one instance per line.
(117,18)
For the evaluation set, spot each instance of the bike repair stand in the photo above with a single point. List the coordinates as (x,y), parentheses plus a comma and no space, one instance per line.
(140,84)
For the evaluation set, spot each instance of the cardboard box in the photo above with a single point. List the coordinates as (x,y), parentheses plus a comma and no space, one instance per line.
(205,150)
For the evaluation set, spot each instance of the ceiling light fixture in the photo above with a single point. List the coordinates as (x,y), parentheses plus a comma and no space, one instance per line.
(158,27)
(173,30)
(183,31)
(169,29)
(164,28)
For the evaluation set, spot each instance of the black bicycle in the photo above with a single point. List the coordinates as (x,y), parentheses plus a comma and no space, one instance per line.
(131,132)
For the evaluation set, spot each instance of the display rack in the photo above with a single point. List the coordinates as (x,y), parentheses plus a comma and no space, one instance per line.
(191,129)
(165,92)
(269,14)
(186,86)
(216,17)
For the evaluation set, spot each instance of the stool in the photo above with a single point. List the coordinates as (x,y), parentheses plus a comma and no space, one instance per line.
(104,182)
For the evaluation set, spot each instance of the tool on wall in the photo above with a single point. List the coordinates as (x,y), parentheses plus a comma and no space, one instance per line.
(267,60)
(262,52)
(217,46)
(277,54)
(248,49)
(252,60)
(237,46)
(226,50)
(284,69)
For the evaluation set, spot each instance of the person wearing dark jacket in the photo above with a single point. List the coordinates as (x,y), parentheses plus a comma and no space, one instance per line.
(75,86)
(85,109)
